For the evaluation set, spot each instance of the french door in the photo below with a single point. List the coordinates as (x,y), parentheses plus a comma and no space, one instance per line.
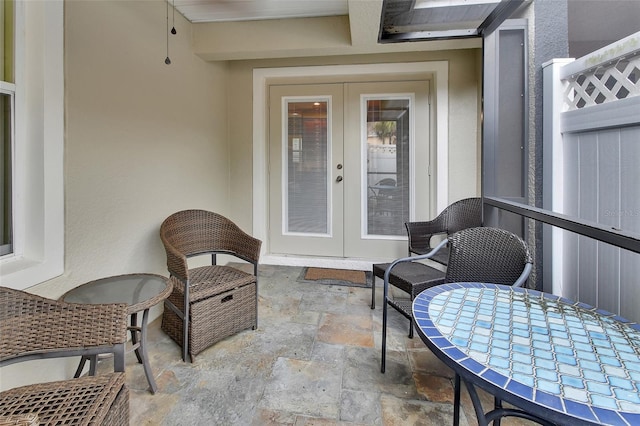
(344,159)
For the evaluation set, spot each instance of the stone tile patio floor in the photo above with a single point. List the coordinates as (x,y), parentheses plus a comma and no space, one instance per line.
(313,360)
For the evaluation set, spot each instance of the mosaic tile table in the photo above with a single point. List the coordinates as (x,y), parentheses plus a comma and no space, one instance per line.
(557,361)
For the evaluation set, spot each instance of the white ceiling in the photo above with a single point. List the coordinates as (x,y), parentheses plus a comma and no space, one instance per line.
(251,10)
(407,20)
(402,20)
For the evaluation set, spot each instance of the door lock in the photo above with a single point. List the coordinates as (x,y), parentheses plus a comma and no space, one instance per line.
(339,166)
(339,179)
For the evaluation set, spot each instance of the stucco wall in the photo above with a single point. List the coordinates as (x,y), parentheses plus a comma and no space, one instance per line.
(143,139)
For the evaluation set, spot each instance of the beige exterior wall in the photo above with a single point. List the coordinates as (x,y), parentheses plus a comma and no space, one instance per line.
(143,139)
(464,133)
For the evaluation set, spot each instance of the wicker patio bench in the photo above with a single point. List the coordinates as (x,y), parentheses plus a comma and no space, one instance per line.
(34,327)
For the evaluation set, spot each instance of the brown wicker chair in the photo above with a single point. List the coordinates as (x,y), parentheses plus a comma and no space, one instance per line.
(463,214)
(34,327)
(481,254)
(413,278)
(208,303)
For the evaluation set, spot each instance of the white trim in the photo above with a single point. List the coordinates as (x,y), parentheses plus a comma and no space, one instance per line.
(39,214)
(320,262)
(627,46)
(440,71)
(553,158)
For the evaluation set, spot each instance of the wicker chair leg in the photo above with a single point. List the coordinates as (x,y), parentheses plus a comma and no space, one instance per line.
(185,324)
(373,290)
(385,299)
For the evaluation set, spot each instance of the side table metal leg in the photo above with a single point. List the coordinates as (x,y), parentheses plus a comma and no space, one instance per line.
(143,352)
(134,329)
(93,365)
(83,360)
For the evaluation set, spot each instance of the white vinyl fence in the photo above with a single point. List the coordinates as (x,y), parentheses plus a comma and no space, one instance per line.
(592,171)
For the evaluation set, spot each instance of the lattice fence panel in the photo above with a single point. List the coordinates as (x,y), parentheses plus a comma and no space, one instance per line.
(614,81)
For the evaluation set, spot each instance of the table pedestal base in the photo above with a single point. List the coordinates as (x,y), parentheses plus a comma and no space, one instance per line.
(492,416)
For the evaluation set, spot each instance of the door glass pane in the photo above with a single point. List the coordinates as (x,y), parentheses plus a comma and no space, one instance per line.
(387,173)
(5,175)
(306,192)
(6,40)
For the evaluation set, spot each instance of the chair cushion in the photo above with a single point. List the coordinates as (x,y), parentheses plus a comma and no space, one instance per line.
(207,281)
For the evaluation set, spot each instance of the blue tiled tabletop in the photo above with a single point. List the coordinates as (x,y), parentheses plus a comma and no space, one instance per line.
(572,361)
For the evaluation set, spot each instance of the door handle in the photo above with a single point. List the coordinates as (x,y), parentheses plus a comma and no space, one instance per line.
(339,179)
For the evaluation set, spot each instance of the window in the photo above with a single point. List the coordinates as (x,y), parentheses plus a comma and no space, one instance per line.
(7,93)
(6,118)
(32,129)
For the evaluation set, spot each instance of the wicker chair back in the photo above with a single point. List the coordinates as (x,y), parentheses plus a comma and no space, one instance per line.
(486,255)
(463,214)
(34,327)
(190,233)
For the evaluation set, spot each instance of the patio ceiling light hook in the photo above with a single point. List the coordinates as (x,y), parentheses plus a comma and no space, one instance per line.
(173,18)
(167,60)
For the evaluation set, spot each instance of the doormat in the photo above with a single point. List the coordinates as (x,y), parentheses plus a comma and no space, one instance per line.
(329,276)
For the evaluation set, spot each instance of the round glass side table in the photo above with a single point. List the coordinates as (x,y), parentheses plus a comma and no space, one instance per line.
(140,292)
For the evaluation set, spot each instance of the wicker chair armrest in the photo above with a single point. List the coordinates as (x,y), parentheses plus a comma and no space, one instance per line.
(31,325)
(176,261)
(420,233)
(465,213)
(247,247)
(524,276)
(429,255)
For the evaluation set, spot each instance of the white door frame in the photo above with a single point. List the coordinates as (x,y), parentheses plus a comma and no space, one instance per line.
(440,72)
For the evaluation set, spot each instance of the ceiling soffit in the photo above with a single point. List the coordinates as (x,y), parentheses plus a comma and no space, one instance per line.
(260,29)
(420,20)
(252,10)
